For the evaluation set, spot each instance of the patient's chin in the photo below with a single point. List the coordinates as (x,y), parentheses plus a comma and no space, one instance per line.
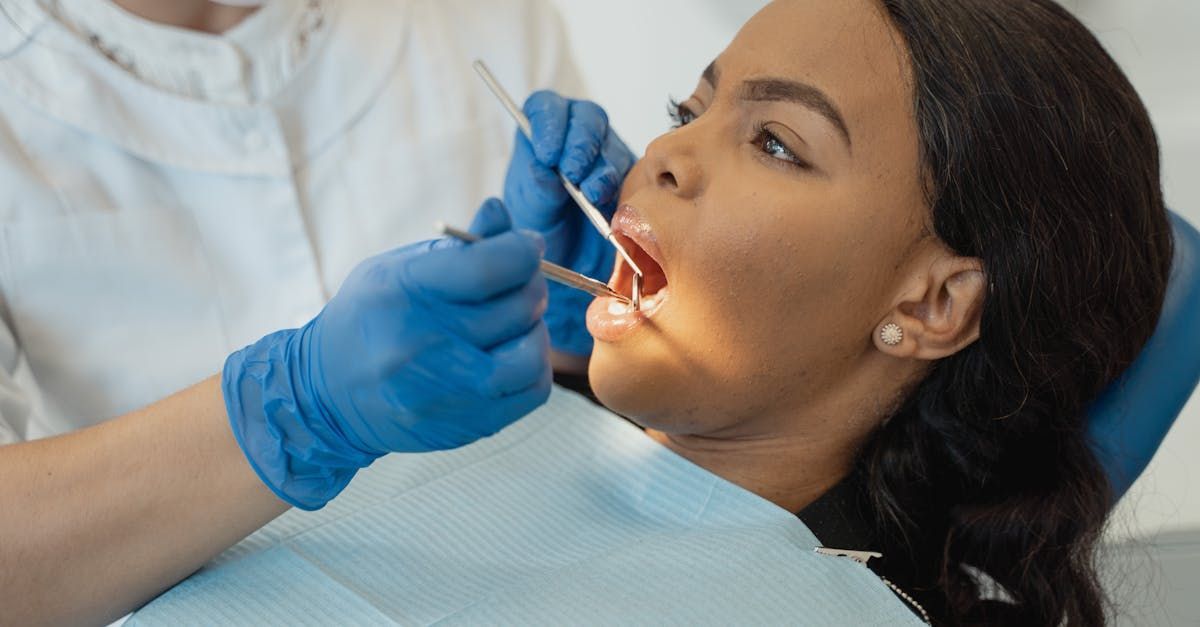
(643,385)
(623,382)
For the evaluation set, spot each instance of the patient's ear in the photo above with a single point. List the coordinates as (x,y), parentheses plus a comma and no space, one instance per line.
(938,313)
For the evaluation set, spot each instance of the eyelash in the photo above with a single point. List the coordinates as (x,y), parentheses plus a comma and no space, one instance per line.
(681,115)
(763,137)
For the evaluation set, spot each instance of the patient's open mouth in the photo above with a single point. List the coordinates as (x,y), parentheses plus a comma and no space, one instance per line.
(638,241)
(608,318)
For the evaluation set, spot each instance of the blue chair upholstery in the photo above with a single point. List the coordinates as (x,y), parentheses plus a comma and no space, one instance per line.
(1131,418)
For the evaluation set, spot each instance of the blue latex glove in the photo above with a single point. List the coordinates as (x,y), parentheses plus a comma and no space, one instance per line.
(572,137)
(427,347)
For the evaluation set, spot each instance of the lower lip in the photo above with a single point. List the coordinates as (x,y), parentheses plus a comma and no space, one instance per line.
(609,320)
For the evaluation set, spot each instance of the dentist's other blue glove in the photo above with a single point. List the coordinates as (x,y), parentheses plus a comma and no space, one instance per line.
(572,137)
(427,347)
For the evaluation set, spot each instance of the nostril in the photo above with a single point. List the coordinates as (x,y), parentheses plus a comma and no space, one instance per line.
(666,179)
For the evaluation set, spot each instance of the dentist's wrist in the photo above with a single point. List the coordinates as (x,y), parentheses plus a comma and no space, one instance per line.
(286,437)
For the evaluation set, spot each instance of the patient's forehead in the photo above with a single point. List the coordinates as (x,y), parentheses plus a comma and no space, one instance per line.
(846,48)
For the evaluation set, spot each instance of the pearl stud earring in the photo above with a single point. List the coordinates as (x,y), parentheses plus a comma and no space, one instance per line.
(891,334)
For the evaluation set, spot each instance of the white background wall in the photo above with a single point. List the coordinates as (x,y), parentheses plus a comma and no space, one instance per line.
(634,53)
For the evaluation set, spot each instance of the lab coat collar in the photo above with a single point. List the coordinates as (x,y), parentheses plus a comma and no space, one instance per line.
(53,70)
(245,64)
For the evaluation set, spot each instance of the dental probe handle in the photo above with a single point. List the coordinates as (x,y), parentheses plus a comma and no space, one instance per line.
(593,214)
(554,272)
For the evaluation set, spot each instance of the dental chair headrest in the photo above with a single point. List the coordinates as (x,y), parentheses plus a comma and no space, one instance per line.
(1130,419)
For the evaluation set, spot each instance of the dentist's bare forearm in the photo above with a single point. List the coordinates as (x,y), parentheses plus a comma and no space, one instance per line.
(96,522)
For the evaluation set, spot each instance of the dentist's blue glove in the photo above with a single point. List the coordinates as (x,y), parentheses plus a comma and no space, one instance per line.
(427,347)
(572,137)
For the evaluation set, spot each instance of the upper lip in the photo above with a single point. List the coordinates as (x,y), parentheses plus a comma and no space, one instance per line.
(630,226)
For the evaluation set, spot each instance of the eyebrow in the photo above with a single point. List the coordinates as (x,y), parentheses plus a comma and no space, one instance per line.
(783,90)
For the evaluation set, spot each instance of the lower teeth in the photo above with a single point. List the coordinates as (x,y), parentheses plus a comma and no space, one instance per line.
(618,308)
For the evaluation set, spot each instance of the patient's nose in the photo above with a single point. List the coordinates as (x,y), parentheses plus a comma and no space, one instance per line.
(672,165)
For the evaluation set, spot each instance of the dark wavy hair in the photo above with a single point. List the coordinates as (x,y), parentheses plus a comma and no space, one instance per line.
(1040,160)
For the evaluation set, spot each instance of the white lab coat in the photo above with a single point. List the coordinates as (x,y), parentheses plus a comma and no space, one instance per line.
(145,234)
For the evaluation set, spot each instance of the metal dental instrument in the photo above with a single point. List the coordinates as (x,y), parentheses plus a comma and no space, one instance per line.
(552,271)
(589,210)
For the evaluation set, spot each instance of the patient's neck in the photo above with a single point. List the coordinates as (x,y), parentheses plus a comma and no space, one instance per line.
(791,471)
(200,15)
(796,450)
(798,447)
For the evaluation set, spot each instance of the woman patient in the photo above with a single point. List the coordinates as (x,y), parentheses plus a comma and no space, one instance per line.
(907,242)
(892,249)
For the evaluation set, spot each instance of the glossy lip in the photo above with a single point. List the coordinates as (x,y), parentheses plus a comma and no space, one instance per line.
(607,319)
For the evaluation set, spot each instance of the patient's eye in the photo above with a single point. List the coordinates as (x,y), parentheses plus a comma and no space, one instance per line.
(680,114)
(774,147)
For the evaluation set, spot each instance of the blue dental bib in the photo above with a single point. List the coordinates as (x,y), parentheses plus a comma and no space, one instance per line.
(570,516)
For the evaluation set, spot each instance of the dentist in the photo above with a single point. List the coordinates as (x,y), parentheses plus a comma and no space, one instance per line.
(182,180)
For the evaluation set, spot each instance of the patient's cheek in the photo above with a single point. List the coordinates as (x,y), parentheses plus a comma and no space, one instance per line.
(747,320)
